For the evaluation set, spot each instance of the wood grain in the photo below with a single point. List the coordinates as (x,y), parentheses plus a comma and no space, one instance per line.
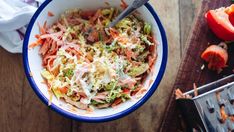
(187,12)
(29,114)
(36,116)
(190,69)
(11,78)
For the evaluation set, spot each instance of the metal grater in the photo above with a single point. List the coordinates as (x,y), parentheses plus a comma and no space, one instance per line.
(203,111)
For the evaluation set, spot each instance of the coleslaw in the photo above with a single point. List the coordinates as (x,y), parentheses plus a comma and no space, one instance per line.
(89,65)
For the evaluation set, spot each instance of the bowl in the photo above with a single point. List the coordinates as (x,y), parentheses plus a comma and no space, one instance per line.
(33,63)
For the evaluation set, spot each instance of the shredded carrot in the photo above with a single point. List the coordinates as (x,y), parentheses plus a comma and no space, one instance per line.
(37,36)
(223,114)
(116,102)
(129,54)
(152,60)
(150,82)
(123,40)
(218,95)
(96,16)
(50,14)
(180,95)
(123,4)
(55,70)
(63,90)
(45,25)
(41,29)
(89,57)
(89,110)
(35,44)
(50,63)
(114,33)
(135,91)
(50,97)
(231,118)
(195,89)
(126,90)
(141,91)
(87,14)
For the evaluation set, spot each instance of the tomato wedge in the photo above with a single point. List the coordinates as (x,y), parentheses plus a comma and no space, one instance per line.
(221,22)
(216,56)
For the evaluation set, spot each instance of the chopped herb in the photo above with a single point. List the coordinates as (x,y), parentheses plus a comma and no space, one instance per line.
(93,102)
(69,73)
(106,12)
(147,28)
(136,71)
(100,37)
(111,47)
(144,38)
(110,85)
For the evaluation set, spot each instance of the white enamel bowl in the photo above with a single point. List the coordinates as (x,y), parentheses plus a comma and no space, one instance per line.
(33,62)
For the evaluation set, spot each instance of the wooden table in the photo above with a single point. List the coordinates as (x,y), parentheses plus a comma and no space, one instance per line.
(21,109)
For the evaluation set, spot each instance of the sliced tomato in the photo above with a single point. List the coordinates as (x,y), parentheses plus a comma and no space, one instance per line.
(221,22)
(216,56)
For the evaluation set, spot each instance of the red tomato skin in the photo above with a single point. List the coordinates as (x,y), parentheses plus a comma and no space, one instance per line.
(230,12)
(215,56)
(219,22)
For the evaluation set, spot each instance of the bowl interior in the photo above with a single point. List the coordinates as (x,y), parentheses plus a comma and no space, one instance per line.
(34,63)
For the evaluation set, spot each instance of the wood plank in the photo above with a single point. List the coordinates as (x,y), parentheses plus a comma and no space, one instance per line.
(190,69)
(186,19)
(36,116)
(59,123)
(30,114)
(11,82)
(149,116)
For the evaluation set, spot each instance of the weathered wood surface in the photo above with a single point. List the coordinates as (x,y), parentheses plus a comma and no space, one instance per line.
(21,109)
(190,69)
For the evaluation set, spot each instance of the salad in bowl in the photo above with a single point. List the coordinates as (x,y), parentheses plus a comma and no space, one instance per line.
(88,71)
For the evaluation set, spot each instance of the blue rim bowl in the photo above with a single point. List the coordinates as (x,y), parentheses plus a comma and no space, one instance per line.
(103,118)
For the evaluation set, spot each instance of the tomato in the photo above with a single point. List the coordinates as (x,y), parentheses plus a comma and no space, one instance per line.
(221,22)
(216,56)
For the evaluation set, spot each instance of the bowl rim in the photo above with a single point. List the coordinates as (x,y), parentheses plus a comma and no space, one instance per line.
(123,113)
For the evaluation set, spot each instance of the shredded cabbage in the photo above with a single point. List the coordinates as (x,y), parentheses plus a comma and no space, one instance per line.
(91,65)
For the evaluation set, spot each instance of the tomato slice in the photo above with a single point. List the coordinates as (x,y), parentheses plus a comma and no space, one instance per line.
(216,56)
(221,22)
